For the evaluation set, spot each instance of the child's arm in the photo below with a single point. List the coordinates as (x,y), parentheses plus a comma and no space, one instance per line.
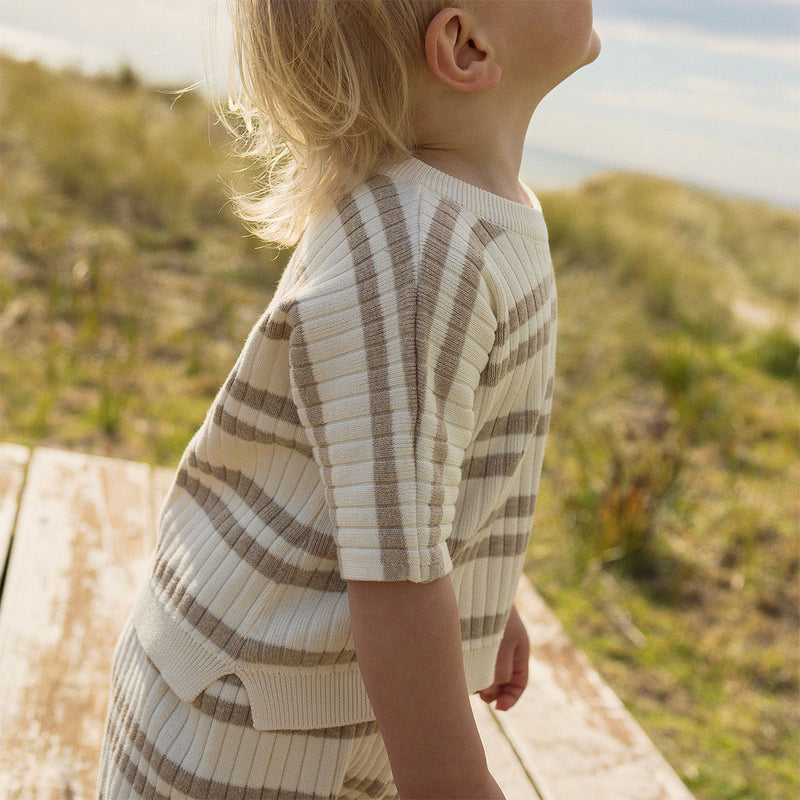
(408,642)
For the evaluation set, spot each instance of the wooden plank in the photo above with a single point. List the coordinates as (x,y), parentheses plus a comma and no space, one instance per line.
(13,461)
(162,478)
(571,731)
(84,535)
(83,540)
(503,762)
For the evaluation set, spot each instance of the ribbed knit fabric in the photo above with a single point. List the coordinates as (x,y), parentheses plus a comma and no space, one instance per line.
(386,420)
(156,746)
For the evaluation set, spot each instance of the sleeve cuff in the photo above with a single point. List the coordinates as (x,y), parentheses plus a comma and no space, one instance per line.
(373,564)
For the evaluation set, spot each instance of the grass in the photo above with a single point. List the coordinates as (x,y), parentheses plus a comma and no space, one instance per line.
(127,286)
(667,532)
(666,536)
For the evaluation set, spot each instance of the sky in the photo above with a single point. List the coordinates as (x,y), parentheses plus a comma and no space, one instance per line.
(706,91)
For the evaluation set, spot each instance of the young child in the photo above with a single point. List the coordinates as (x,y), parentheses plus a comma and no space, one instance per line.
(338,555)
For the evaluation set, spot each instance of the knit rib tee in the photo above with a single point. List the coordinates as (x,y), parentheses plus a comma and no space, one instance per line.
(385,421)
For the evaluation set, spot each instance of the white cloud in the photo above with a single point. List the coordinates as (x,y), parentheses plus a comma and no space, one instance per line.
(56,51)
(721,106)
(786,50)
(701,160)
(702,83)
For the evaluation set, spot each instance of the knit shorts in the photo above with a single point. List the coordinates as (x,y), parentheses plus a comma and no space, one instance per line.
(157,746)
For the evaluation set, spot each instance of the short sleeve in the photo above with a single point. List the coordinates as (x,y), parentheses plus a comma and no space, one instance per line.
(385,359)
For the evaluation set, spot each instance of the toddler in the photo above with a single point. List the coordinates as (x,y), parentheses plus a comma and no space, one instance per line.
(338,555)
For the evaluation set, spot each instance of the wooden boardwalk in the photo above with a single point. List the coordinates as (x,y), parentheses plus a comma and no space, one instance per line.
(79,530)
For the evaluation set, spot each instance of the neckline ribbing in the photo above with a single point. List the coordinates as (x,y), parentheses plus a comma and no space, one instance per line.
(522,219)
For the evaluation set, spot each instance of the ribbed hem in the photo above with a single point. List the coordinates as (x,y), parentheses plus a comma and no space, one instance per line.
(302,698)
(290,698)
(479,663)
(185,663)
(526,221)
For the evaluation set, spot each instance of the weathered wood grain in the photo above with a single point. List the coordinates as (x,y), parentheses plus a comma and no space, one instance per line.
(501,758)
(571,731)
(13,461)
(82,542)
(83,537)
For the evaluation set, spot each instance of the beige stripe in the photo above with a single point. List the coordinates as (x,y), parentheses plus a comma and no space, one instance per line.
(177,776)
(228,711)
(530,305)
(264,401)
(239,714)
(498,545)
(493,465)
(404,270)
(465,299)
(517,507)
(435,248)
(518,423)
(543,425)
(385,487)
(272,329)
(303,377)
(367,787)
(271,513)
(230,641)
(482,627)
(306,383)
(249,433)
(526,350)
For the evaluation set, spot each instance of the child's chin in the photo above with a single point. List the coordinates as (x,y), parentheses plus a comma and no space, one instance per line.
(594,48)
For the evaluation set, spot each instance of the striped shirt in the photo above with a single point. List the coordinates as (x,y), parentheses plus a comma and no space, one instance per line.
(385,421)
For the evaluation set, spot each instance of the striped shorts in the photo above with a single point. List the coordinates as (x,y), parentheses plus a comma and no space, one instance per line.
(157,746)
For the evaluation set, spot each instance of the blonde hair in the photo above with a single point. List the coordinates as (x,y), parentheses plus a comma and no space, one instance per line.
(323,99)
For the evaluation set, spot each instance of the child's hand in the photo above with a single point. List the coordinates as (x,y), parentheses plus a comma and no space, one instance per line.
(511,667)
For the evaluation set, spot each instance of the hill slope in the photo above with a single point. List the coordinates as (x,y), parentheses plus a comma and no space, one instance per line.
(666,533)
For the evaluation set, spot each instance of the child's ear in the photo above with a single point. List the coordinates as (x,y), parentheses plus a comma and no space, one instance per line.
(459,54)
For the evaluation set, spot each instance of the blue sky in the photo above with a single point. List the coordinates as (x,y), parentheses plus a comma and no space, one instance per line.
(701,90)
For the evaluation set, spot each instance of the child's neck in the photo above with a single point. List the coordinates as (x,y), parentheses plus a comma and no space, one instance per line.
(493,168)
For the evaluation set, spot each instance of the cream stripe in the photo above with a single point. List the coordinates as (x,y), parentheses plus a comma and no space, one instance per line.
(482,627)
(266,402)
(526,350)
(492,466)
(283,524)
(178,777)
(274,330)
(518,423)
(239,714)
(249,433)
(386,497)
(498,545)
(230,641)
(525,309)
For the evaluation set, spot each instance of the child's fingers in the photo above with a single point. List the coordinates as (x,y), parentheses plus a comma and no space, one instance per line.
(503,676)
(509,694)
(510,691)
(489,694)
(511,667)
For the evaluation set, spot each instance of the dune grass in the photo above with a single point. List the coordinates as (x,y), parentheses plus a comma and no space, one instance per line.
(126,284)
(667,532)
(666,536)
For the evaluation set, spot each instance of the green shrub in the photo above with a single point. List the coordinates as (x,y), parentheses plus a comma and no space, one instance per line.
(775,352)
